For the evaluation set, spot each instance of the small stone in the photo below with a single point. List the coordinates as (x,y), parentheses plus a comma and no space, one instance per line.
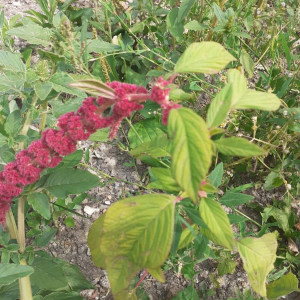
(90,210)
(80,250)
(107,202)
(88,252)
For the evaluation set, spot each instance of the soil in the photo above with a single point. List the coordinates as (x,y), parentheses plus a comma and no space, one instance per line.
(71,243)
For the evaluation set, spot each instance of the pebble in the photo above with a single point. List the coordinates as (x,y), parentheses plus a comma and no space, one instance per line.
(81,250)
(88,252)
(90,210)
(107,202)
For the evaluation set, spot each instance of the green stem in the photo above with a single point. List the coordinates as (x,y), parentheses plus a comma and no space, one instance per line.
(25,286)
(133,129)
(11,225)
(251,220)
(44,115)
(28,120)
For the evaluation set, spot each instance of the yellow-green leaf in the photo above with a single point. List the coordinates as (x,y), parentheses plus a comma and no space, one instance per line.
(219,107)
(283,286)
(187,236)
(191,149)
(157,274)
(137,233)
(258,255)
(243,98)
(215,218)
(238,147)
(204,57)
(94,242)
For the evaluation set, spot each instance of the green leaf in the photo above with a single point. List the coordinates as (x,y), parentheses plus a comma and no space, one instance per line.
(138,27)
(133,238)
(94,87)
(62,82)
(247,63)
(13,123)
(157,274)
(98,46)
(273,180)
(219,230)
(43,239)
(65,181)
(40,203)
(216,175)
(11,61)
(11,272)
(178,95)
(191,149)
(195,25)
(235,146)
(159,147)
(204,57)
(175,27)
(219,107)
(164,180)
(187,236)
(101,135)
(94,242)
(147,130)
(33,34)
(234,219)
(188,294)
(47,275)
(282,286)
(226,266)
(184,9)
(43,89)
(243,98)
(234,199)
(63,296)
(258,255)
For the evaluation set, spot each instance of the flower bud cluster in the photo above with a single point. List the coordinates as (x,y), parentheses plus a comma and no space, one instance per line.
(73,127)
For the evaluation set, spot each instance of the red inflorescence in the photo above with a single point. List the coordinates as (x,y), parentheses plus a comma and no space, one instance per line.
(48,151)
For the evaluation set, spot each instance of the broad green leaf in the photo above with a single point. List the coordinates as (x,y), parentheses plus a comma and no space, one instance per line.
(247,63)
(157,274)
(184,9)
(60,108)
(243,98)
(187,236)
(215,218)
(94,87)
(282,216)
(175,27)
(258,100)
(61,84)
(158,147)
(133,238)
(98,46)
(226,266)
(188,294)
(204,57)
(40,203)
(48,275)
(234,199)
(283,286)
(63,296)
(43,89)
(235,146)
(11,272)
(147,130)
(178,95)
(13,123)
(258,255)
(164,180)
(138,27)
(219,107)
(33,34)
(94,242)
(195,25)
(65,181)
(216,175)
(101,135)
(43,239)
(11,61)
(194,215)
(234,219)
(191,150)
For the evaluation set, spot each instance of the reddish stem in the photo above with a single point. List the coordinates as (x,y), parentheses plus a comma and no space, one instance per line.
(142,278)
(139,97)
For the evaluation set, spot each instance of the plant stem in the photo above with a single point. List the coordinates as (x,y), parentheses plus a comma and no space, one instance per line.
(11,225)
(142,278)
(44,116)
(21,224)
(24,285)
(251,220)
